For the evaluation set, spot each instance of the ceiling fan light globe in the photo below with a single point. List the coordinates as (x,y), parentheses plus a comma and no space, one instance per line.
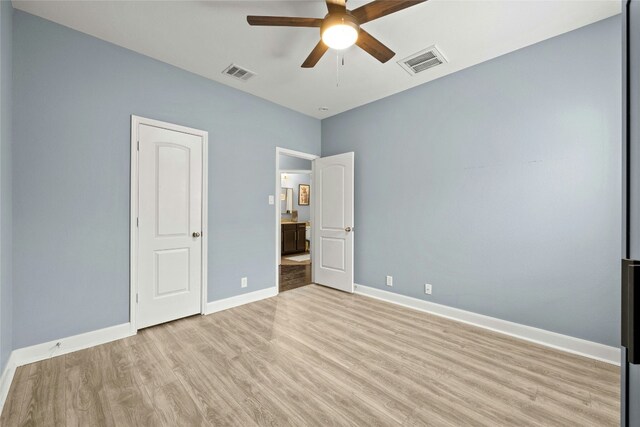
(340,36)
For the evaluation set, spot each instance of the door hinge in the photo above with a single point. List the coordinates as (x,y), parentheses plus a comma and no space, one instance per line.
(138,148)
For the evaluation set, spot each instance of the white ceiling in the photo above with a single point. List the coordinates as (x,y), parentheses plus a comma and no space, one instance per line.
(204,37)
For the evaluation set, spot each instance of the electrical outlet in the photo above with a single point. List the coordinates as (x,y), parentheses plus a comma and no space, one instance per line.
(389,281)
(272,200)
(243,282)
(427,289)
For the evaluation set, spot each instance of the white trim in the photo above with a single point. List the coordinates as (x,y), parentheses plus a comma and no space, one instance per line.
(38,352)
(133,225)
(133,256)
(566,343)
(6,380)
(276,195)
(294,153)
(205,222)
(227,303)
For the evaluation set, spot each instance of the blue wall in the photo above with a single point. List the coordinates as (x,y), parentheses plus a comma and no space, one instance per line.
(6,48)
(293,181)
(294,163)
(74,95)
(499,185)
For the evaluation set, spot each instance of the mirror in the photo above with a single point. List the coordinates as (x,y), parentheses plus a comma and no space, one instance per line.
(286,200)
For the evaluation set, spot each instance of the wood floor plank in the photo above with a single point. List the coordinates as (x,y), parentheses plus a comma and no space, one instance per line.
(87,403)
(219,401)
(173,405)
(490,383)
(294,275)
(382,386)
(150,367)
(314,356)
(20,390)
(550,417)
(334,371)
(129,401)
(297,382)
(46,405)
(446,341)
(362,372)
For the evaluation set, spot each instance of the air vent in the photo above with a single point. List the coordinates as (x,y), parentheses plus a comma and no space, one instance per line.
(423,60)
(238,72)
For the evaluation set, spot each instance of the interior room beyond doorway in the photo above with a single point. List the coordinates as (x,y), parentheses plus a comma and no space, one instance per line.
(295,223)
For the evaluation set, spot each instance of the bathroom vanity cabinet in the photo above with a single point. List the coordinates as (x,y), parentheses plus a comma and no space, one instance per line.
(293,238)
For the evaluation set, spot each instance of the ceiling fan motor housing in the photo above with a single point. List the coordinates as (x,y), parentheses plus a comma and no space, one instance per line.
(333,19)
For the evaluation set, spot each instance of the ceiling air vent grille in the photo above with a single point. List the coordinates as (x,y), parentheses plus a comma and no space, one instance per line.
(238,72)
(423,60)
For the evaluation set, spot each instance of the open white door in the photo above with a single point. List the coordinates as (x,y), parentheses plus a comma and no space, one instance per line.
(333,221)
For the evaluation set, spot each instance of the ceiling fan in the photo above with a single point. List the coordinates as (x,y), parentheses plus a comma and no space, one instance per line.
(340,28)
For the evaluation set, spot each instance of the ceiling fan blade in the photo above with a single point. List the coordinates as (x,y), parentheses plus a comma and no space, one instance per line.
(374,47)
(315,55)
(336,6)
(284,21)
(379,8)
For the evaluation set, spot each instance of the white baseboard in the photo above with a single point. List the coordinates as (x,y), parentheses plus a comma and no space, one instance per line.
(35,353)
(38,352)
(6,379)
(224,304)
(566,343)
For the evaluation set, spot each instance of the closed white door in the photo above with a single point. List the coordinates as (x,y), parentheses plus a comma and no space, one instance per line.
(333,221)
(170,225)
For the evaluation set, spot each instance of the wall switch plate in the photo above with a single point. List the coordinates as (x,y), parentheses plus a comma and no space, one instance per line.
(389,281)
(427,289)
(272,199)
(243,282)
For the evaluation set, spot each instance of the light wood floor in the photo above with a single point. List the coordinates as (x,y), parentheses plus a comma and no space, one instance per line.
(314,356)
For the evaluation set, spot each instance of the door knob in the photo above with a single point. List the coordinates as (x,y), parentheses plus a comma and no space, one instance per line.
(348,229)
(196,234)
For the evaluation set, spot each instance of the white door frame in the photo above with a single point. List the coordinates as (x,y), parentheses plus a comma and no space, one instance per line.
(300,155)
(133,247)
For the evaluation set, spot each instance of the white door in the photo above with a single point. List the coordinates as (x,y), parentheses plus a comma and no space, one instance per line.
(333,221)
(170,225)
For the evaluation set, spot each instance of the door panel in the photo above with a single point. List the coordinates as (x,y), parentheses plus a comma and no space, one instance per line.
(333,253)
(170,211)
(171,273)
(173,189)
(333,221)
(333,197)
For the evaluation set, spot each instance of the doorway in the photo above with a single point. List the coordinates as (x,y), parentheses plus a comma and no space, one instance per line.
(295,224)
(294,211)
(321,247)
(168,222)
